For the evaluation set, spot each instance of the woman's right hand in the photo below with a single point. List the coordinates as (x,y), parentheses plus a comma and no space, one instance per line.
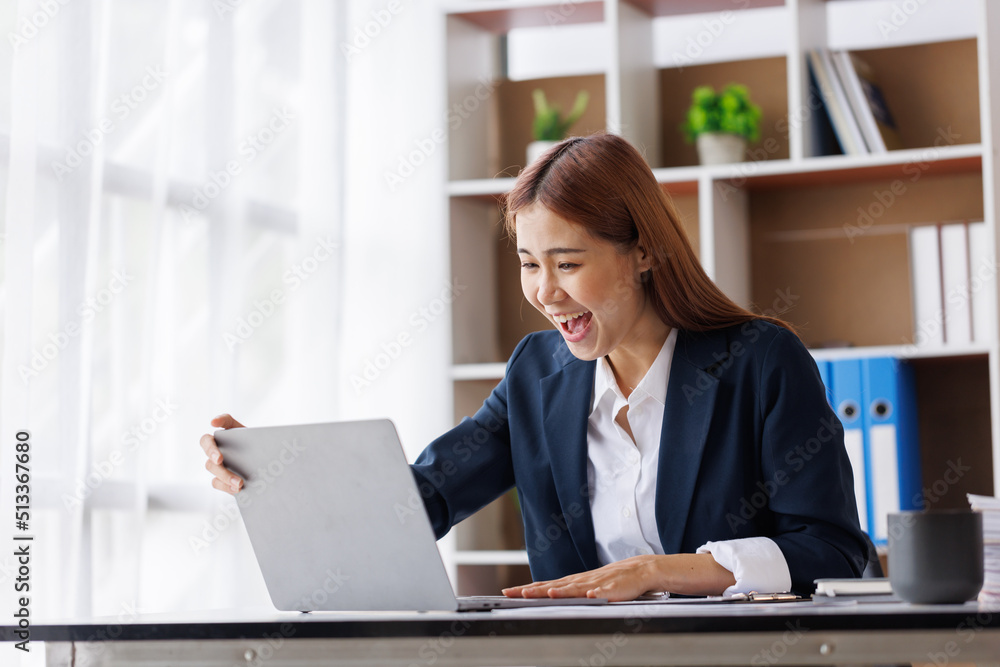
(225,479)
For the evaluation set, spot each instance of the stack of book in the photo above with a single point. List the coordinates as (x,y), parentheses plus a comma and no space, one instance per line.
(856,590)
(990,507)
(950,267)
(854,102)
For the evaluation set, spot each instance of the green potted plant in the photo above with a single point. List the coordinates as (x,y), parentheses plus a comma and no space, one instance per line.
(721,123)
(549,126)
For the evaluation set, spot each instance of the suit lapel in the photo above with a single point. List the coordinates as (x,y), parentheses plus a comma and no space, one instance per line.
(565,407)
(687,416)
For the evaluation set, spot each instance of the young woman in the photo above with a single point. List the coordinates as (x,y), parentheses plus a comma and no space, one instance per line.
(661,437)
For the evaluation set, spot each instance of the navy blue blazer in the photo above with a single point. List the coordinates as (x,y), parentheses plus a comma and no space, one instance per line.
(749,447)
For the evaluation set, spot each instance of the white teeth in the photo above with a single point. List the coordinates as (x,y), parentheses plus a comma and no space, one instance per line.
(567,318)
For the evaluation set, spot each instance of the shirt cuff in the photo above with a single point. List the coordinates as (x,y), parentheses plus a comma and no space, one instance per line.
(756,562)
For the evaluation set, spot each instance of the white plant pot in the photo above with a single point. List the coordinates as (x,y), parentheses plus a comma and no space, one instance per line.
(719,148)
(536,148)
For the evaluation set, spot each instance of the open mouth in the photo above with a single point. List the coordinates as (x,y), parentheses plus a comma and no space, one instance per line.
(573,323)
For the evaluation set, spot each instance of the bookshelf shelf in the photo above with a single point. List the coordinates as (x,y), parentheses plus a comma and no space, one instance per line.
(678,7)
(682,180)
(483,188)
(501,16)
(902,352)
(478,371)
(853,168)
(966,158)
(763,227)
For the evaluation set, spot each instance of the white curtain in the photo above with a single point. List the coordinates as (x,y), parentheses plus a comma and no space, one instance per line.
(172,180)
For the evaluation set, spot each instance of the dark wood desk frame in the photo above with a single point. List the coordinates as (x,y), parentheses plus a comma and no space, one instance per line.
(758,634)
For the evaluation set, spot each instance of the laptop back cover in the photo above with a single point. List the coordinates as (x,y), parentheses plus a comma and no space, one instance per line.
(335,518)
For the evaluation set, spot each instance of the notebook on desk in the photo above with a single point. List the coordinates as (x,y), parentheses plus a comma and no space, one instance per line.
(337,523)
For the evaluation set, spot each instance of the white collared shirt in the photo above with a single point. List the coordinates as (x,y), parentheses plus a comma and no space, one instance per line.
(622,478)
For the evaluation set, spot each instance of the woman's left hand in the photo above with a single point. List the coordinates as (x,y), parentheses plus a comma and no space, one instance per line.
(689,574)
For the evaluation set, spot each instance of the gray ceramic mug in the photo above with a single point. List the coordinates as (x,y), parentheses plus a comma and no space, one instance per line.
(936,556)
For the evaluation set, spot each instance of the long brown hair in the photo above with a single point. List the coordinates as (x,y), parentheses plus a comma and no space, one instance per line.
(602,183)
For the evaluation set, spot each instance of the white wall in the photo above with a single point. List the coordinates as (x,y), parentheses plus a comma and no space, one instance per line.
(396,248)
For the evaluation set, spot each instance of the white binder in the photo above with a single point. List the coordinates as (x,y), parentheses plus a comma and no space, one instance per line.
(955,284)
(925,277)
(982,266)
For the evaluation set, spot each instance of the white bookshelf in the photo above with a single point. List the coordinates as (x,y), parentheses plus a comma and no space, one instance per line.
(756,225)
(902,352)
(814,169)
(478,371)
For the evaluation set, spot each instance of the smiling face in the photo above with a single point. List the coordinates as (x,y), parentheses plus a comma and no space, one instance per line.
(589,291)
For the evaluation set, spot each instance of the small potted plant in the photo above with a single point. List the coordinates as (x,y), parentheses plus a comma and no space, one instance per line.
(721,123)
(549,126)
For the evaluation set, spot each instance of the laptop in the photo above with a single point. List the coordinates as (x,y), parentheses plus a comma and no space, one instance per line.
(337,523)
